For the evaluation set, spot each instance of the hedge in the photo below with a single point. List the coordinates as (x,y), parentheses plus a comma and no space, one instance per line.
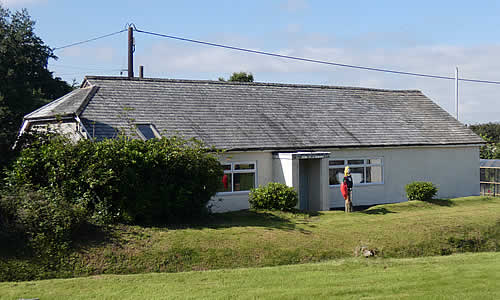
(166,180)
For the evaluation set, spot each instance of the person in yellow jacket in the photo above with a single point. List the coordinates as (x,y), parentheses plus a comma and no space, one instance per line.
(348,181)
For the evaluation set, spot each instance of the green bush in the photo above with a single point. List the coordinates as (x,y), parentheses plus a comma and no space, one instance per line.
(420,190)
(273,196)
(46,221)
(7,215)
(164,180)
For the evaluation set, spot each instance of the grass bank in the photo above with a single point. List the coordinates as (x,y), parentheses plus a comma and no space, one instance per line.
(462,276)
(259,239)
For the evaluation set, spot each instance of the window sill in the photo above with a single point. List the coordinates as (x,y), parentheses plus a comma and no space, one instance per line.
(358,184)
(232,193)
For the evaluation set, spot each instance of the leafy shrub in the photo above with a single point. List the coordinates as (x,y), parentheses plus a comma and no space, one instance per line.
(273,196)
(160,180)
(7,215)
(420,190)
(45,220)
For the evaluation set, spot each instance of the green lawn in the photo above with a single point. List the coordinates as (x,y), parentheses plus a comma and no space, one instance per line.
(260,239)
(462,276)
(249,239)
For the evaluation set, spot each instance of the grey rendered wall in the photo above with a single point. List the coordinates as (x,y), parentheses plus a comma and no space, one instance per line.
(454,170)
(223,202)
(68,128)
(283,170)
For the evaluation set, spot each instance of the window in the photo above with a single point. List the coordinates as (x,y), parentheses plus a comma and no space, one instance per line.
(147,131)
(238,177)
(363,171)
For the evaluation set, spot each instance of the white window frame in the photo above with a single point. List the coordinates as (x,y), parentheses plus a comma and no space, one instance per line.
(233,171)
(364,165)
(153,129)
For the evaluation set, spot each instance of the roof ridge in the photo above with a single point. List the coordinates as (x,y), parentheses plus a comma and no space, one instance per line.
(88,78)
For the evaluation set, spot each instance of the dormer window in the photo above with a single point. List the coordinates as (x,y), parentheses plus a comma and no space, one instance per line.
(147,131)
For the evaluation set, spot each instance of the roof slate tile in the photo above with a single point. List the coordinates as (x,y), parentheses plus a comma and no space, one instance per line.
(247,116)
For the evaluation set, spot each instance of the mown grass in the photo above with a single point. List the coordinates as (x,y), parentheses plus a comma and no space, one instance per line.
(461,276)
(259,239)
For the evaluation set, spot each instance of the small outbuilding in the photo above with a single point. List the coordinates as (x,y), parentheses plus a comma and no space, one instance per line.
(300,135)
(490,177)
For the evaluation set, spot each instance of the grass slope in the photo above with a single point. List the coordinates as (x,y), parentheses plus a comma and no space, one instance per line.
(259,239)
(463,276)
(249,239)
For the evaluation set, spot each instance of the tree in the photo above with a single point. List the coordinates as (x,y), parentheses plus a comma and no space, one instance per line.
(491,150)
(25,81)
(490,132)
(240,76)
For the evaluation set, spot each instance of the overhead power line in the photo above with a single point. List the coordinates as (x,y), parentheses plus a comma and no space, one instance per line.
(314,60)
(90,40)
(85,68)
(281,56)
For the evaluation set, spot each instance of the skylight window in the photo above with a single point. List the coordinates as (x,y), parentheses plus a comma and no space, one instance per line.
(147,131)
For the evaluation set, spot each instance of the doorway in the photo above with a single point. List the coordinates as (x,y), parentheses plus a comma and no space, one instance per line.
(309,184)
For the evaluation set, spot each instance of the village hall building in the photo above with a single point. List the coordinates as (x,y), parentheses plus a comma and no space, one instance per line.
(300,135)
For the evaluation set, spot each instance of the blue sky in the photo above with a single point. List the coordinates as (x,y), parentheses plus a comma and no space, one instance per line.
(429,37)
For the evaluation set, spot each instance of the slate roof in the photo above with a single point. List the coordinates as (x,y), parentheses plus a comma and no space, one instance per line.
(68,105)
(264,116)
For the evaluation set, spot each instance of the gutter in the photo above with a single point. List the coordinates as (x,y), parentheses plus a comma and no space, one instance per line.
(321,147)
(52,118)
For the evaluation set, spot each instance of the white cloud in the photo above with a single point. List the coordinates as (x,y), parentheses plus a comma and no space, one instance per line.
(101,54)
(478,102)
(293,28)
(78,61)
(72,52)
(293,6)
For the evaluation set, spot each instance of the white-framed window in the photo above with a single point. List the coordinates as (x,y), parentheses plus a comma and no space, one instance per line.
(147,131)
(364,171)
(238,177)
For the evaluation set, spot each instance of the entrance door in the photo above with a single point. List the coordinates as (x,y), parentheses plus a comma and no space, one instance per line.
(309,184)
(304,189)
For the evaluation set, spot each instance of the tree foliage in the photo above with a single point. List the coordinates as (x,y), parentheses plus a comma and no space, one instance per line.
(45,220)
(166,180)
(25,81)
(490,132)
(491,150)
(239,76)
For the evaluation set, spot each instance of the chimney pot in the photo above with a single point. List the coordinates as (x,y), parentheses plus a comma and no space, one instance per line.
(141,71)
